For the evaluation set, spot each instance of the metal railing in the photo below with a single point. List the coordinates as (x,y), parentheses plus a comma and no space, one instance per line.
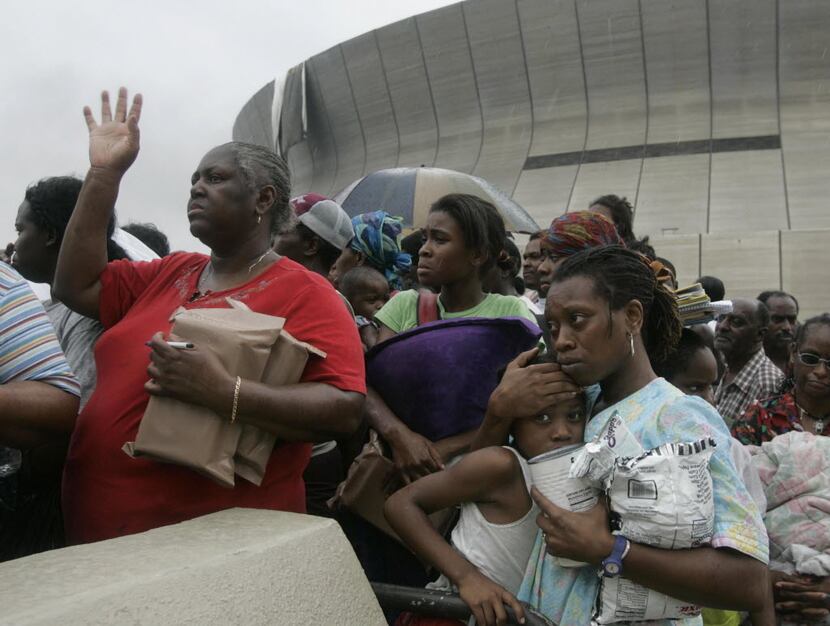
(432,603)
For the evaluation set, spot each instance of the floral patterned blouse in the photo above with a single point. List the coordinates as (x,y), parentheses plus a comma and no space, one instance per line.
(768,418)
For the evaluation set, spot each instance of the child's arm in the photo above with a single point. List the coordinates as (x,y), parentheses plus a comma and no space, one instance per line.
(481,476)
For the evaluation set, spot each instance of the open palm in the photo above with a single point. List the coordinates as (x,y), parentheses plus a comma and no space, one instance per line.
(114,143)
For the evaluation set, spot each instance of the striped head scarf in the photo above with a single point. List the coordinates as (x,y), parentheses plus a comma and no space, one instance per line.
(573,232)
(376,236)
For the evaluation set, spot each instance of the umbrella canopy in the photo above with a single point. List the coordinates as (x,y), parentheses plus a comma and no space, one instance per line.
(410,191)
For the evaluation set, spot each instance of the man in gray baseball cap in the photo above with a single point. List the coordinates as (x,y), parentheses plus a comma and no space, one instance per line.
(316,235)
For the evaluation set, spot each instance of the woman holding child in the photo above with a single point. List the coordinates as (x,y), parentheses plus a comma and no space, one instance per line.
(608,314)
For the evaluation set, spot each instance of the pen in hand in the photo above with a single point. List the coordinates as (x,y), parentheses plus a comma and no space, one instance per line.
(180,345)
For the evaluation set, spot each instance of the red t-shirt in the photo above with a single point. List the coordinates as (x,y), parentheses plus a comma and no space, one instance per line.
(108,494)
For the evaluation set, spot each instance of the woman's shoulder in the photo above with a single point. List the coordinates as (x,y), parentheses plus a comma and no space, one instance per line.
(691,413)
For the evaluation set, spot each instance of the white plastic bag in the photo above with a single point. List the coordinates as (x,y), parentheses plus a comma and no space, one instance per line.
(662,498)
(596,460)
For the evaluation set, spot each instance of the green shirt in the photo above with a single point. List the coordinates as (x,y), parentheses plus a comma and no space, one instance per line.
(401,312)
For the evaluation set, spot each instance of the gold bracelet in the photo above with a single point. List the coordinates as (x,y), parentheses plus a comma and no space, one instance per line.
(235,399)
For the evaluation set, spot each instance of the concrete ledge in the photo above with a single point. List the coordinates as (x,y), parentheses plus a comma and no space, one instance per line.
(240,566)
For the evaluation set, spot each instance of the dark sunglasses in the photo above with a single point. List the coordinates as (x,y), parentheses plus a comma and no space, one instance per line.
(808,358)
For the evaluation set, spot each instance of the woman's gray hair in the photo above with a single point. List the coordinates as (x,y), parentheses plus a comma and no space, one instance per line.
(260,167)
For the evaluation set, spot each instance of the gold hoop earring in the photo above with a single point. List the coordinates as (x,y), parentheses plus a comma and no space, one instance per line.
(631,342)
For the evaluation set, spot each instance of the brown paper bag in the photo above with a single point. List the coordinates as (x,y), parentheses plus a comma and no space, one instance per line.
(285,367)
(196,437)
(366,488)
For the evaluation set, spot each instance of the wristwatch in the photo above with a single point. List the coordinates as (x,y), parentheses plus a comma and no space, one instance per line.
(612,565)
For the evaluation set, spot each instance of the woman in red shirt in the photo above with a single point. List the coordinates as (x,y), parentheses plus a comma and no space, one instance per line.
(238,193)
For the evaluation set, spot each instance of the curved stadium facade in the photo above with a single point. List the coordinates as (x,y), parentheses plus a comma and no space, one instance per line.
(711,116)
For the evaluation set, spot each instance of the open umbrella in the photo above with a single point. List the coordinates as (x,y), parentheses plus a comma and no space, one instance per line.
(410,191)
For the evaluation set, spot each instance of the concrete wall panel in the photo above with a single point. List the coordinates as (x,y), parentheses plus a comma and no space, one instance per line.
(674,194)
(677,70)
(684,253)
(613,51)
(371,97)
(449,66)
(544,193)
(403,62)
(747,192)
(744,94)
(801,251)
(747,264)
(498,60)
(804,80)
(347,133)
(254,123)
(320,135)
(301,166)
(554,66)
(598,179)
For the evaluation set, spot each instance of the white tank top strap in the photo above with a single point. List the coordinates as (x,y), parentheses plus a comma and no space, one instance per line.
(523,464)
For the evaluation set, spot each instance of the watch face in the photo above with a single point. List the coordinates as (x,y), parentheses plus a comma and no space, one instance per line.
(612,569)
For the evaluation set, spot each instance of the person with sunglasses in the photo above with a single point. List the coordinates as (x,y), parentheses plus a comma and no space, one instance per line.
(803,403)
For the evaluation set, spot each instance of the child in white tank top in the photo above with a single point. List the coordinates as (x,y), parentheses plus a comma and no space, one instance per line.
(495,533)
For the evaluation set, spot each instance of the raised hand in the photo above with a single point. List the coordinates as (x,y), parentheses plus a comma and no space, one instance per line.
(114,143)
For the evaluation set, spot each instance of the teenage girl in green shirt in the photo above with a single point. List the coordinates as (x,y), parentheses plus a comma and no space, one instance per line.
(463,237)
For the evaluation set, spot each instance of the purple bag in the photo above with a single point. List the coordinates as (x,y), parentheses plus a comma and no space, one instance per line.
(437,378)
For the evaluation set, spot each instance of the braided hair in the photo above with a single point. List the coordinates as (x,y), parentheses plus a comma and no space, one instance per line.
(620,276)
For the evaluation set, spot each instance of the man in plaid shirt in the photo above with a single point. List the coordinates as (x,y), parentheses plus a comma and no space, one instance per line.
(750,375)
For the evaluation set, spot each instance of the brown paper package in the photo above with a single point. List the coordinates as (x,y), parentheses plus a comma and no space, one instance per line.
(285,366)
(250,345)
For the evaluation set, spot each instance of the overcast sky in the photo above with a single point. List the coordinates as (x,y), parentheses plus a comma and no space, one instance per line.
(196,63)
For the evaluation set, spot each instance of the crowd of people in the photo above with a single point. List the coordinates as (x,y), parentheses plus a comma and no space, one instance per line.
(606,342)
